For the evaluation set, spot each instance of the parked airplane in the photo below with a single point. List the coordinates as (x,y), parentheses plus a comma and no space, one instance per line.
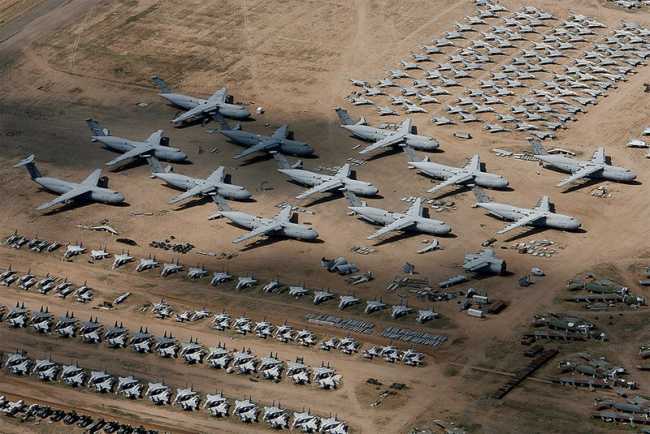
(279,141)
(197,108)
(542,215)
(155,145)
(470,174)
(92,188)
(278,225)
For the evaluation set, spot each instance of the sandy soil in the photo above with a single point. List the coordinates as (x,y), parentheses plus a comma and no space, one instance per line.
(62,62)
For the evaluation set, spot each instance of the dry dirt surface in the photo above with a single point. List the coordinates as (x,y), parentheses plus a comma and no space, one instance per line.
(64,61)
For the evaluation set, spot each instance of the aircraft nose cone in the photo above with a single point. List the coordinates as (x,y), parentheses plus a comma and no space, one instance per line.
(371,190)
(503,182)
(444,229)
(311,234)
(243,195)
(631,176)
(182,156)
(118,197)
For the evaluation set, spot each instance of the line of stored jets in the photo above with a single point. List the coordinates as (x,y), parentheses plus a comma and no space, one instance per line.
(219,188)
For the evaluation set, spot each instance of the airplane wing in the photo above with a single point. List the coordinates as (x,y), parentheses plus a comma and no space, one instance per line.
(344,171)
(281,133)
(74,193)
(582,173)
(219,96)
(321,188)
(475,163)
(199,109)
(475,265)
(217,176)
(599,156)
(154,138)
(199,189)
(93,178)
(267,145)
(135,152)
(415,210)
(261,230)
(392,139)
(522,222)
(456,179)
(397,225)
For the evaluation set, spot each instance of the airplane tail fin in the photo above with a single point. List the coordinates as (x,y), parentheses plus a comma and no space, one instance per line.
(156,167)
(411,156)
(352,199)
(223,124)
(96,129)
(538,149)
(162,84)
(344,117)
(480,195)
(282,161)
(30,165)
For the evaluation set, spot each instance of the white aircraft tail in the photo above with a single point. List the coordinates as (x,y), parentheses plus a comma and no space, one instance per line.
(415,210)
(412,157)
(30,165)
(480,195)
(281,133)
(286,213)
(474,164)
(544,204)
(162,84)
(406,126)
(96,129)
(599,156)
(156,167)
(344,171)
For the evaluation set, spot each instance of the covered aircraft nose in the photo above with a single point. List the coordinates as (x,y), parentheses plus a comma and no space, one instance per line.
(443,229)
(242,194)
(117,197)
(574,224)
(629,176)
(368,190)
(310,234)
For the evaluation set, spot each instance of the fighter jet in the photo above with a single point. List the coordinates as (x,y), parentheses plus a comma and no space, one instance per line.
(129,387)
(246,410)
(90,331)
(221,321)
(484,262)
(243,325)
(412,220)
(276,417)
(170,268)
(116,336)
(244,282)
(101,381)
(217,405)
(542,215)
(192,352)
(374,306)
(159,393)
(322,183)
(155,145)
(278,225)
(18,317)
(596,168)
(305,422)
(187,399)
(147,264)
(121,259)
(279,141)
(142,341)
(271,367)
(166,346)
(219,277)
(385,138)
(331,425)
(93,188)
(214,184)
(219,357)
(66,327)
(73,375)
(42,320)
(194,273)
(18,363)
(471,173)
(219,102)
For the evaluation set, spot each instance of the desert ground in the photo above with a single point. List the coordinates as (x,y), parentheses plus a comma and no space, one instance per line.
(62,61)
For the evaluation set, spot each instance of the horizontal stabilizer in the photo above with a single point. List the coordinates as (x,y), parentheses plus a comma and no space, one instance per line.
(344,117)
(162,84)
(480,195)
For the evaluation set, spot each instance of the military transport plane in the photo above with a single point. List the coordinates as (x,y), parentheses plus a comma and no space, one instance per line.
(198,108)
(470,174)
(212,185)
(278,225)
(321,183)
(155,145)
(596,168)
(385,138)
(278,142)
(92,188)
(542,215)
(412,221)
